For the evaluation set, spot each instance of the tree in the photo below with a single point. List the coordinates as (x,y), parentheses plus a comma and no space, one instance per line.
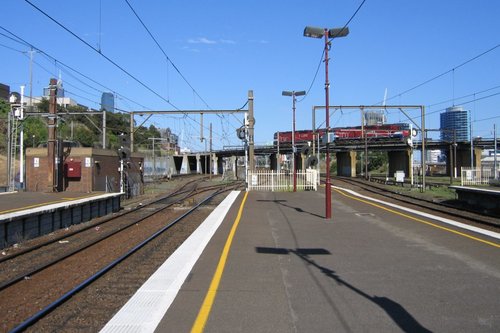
(4,111)
(35,131)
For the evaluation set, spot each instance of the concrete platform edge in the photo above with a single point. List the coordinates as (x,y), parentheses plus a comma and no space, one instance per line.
(144,311)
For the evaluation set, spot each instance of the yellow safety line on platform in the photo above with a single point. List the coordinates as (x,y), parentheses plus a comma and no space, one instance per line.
(32,206)
(206,307)
(420,220)
(42,204)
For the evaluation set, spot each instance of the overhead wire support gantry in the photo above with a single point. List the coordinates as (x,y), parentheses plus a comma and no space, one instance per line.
(185,112)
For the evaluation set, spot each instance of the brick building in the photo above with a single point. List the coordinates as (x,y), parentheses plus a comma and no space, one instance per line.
(84,170)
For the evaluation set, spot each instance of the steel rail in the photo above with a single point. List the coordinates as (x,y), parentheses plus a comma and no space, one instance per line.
(40,268)
(105,220)
(434,206)
(42,313)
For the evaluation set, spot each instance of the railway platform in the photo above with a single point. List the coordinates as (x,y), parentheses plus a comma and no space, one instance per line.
(25,215)
(272,263)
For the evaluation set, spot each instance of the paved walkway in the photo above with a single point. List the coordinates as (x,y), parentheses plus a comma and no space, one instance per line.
(19,201)
(369,269)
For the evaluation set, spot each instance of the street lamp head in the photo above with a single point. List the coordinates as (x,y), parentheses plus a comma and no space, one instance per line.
(338,32)
(293,93)
(315,32)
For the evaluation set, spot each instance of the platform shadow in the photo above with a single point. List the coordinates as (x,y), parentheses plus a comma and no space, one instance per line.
(401,317)
(298,209)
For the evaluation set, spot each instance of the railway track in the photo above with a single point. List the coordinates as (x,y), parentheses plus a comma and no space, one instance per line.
(437,208)
(40,280)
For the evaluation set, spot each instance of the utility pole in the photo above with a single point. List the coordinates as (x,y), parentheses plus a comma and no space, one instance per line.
(471,141)
(495,165)
(21,141)
(51,142)
(210,154)
(365,137)
(251,124)
(31,79)
(104,129)
(131,132)
(424,135)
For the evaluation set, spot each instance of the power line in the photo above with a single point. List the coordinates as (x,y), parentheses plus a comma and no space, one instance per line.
(172,63)
(101,54)
(490,118)
(26,43)
(314,78)
(349,21)
(12,49)
(464,96)
(106,57)
(443,74)
(464,103)
(13,39)
(165,54)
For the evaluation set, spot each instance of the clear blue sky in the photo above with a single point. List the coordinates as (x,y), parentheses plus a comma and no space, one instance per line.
(225,48)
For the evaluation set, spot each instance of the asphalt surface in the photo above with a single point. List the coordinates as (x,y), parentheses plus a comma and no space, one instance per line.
(18,201)
(368,269)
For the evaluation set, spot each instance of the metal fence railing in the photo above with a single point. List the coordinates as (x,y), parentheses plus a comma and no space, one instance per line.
(475,176)
(268,180)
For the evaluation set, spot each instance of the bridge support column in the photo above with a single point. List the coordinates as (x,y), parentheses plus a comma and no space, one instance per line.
(178,164)
(219,162)
(274,161)
(215,164)
(185,169)
(463,159)
(346,163)
(198,164)
(399,161)
(234,166)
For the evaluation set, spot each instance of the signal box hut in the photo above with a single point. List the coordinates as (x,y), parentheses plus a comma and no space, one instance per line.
(84,170)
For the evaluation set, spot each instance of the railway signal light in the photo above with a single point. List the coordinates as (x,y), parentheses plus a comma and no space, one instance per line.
(311,162)
(305,150)
(241,133)
(124,149)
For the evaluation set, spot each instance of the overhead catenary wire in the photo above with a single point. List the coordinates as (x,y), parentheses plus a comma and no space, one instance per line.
(99,52)
(165,54)
(23,42)
(452,70)
(171,62)
(26,43)
(114,63)
(463,103)
(464,96)
(11,48)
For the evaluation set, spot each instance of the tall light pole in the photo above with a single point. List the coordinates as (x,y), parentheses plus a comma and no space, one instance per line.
(294,95)
(327,34)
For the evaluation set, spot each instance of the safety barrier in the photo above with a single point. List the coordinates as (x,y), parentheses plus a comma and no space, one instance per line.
(268,180)
(475,176)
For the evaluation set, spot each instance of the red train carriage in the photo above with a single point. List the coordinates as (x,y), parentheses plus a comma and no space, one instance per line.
(300,136)
(386,131)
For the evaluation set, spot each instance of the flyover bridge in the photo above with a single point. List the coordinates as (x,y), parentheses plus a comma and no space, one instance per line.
(400,155)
